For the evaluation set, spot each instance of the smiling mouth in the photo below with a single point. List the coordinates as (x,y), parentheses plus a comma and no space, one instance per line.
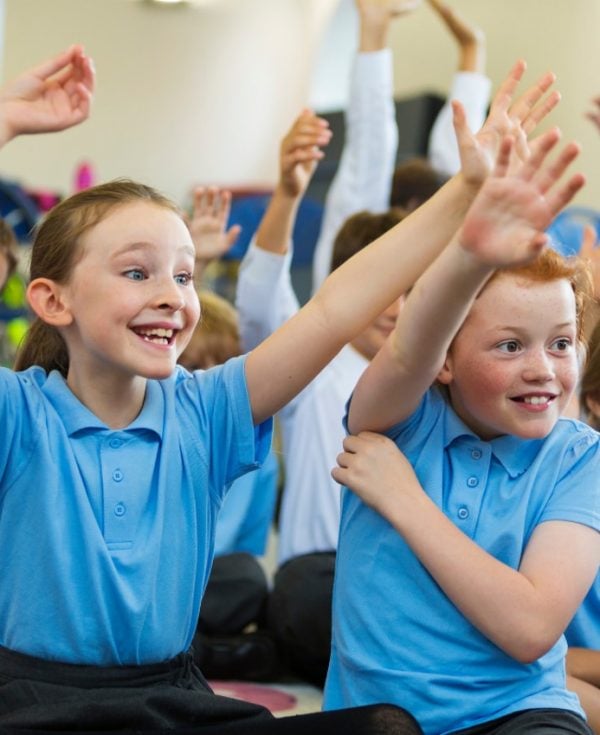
(157,336)
(534,400)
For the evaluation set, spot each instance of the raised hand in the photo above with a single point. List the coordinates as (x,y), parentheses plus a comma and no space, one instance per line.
(470,38)
(54,95)
(506,222)
(375,17)
(516,119)
(300,151)
(208,223)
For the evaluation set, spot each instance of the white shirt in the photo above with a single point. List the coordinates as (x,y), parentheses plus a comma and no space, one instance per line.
(363,179)
(311,425)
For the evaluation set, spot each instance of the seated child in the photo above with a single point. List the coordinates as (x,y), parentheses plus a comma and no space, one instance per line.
(460,564)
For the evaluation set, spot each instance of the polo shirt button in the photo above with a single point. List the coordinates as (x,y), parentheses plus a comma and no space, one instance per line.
(476,454)
(472,482)
(117,475)
(120,509)
(463,513)
(115,443)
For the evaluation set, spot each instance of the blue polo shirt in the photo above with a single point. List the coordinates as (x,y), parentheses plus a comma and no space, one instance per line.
(106,536)
(397,638)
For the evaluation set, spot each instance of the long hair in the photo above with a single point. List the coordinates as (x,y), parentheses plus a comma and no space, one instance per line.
(56,251)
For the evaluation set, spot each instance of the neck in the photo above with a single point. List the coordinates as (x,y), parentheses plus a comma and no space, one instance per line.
(116,404)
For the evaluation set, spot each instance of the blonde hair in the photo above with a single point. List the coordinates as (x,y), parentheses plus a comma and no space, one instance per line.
(56,250)
(216,337)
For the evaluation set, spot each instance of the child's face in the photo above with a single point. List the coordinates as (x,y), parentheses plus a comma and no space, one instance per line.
(369,342)
(131,297)
(513,365)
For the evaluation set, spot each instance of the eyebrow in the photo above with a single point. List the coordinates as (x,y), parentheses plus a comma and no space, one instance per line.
(562,325)
(130,247)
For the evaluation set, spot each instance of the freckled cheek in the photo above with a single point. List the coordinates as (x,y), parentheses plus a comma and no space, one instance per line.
(483,382)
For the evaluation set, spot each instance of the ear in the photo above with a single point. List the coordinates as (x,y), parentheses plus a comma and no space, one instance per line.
(446,374)
(46,299)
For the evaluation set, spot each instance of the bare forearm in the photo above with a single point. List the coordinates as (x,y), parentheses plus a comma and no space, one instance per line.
(275,231)
(498,600)
(472,57)
(584,663)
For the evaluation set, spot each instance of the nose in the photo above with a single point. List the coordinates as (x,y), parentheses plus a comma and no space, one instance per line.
(539,367)
(168,295)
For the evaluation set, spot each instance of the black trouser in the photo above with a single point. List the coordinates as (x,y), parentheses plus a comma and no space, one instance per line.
(546,721)
(235,595)
(44,696)
(299,614)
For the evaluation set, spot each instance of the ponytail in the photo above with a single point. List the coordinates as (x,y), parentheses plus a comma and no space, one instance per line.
(43,346)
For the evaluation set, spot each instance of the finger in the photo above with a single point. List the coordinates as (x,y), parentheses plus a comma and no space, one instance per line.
(559,199)
(504,95)
(47,68)
(528,100)
(503,158)
(544,145)
(549,176)
(540,111)
(231,236)
(588,242)
(225,204)
(464,136)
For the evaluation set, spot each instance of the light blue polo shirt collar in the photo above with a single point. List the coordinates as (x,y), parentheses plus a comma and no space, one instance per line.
(513,453)
(76,417)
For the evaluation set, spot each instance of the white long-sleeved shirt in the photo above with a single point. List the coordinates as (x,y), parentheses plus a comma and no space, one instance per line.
(311,425)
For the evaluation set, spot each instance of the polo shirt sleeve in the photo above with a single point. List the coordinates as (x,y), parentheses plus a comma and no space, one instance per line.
(214,408)
(576,495)
(20,418)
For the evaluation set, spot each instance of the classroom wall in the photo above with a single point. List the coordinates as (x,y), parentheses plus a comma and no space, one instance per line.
(196,95)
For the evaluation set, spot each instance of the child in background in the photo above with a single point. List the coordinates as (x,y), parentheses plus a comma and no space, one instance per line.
(466,568)
(237,589)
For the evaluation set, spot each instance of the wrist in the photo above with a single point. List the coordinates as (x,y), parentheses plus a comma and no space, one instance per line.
(373,38)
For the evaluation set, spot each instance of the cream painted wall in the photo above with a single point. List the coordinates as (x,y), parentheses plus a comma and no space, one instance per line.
(184,94)
(191,95)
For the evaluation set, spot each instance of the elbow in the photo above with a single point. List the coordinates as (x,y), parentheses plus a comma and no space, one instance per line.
(531,648)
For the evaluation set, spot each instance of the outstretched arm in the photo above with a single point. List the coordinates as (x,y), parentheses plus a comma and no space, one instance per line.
(505,226)
(470,87)
(368,283)
(523,611)
(208,227)
(364,175)
(54,95)
(265,298)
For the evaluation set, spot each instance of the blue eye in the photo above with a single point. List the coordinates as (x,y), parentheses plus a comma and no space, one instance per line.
(183,279)
(135,274)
